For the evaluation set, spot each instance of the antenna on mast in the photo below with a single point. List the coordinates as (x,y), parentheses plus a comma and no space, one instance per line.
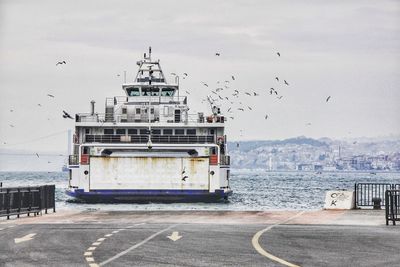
(150,53)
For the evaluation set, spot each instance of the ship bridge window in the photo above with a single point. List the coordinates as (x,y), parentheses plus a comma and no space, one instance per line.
(121,131)
(108,131)
(166,91)
(155,91)
(191,131)
(132,91)
(132,131)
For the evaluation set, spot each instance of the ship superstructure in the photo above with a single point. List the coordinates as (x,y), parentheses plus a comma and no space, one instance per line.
(147,147)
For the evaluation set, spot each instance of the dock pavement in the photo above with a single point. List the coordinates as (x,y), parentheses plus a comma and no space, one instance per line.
(201,238)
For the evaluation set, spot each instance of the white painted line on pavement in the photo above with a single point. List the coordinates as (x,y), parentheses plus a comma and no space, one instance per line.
(136,246)
(260,250)
(88,253)
(108,235)
(24,238)
(101,239)
(91,248)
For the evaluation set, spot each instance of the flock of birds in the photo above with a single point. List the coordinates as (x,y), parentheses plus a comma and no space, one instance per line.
(223,95)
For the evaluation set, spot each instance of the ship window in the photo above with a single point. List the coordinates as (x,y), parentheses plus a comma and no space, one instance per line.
(124,110)
(167,91)
(179,132)
(121,131)
(108,131)
(212,131)
(132,91)
(138,111)
(144,131)
(191,131)
(167,131)
(132,131)
(146,91)
(155,91)
(152,111)
(87,131)
(156,131)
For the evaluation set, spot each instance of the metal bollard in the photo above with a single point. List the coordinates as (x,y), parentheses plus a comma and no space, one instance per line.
(377,203)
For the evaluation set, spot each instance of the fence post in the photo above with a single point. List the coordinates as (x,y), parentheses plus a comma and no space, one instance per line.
(8,203)
(355,195)
(387,206)
(19,201)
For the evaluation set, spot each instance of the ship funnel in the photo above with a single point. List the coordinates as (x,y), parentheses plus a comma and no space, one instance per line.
(92,107)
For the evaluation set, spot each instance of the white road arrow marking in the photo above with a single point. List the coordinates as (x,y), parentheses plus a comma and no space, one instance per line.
(174,236)
(24,238)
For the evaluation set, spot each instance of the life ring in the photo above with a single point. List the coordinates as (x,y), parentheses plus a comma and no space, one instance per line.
(220,139)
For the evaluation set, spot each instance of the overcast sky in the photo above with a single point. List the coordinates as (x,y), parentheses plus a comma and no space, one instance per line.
(349,50)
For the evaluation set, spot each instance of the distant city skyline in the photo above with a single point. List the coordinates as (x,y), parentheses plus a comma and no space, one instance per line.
(349,51)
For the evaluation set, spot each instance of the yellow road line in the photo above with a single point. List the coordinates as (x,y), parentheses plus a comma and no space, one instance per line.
(256,244)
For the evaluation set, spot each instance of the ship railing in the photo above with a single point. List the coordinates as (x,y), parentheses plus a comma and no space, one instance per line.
(174,139)
(145,100)
(144,118)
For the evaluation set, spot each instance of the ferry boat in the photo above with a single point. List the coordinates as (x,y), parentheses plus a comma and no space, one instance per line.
(147,147)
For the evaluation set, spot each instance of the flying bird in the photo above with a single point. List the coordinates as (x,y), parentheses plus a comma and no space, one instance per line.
(266,116)
(233,77)
(173,73)
(184,178)
(11,110)
(49,95)
(229,109)
(241,109)
(279,97)
(232,118)
(285,82)
(12,126)
(250,108)
(329,97)
(248,94)
(184,170)
(279,54)
(237,145)
(187,92)
(61,62)
(217,54)
(39,105)
(255,94)
(185,74)
(66,115)
(276,78)
(37,155)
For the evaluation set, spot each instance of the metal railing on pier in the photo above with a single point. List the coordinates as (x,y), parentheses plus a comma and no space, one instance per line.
(26,200)
(367,194)
(392,206)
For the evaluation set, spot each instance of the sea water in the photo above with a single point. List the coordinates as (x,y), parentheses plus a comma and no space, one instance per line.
(252,190)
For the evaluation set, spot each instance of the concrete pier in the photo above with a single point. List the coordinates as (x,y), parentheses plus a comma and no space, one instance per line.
(200,238)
